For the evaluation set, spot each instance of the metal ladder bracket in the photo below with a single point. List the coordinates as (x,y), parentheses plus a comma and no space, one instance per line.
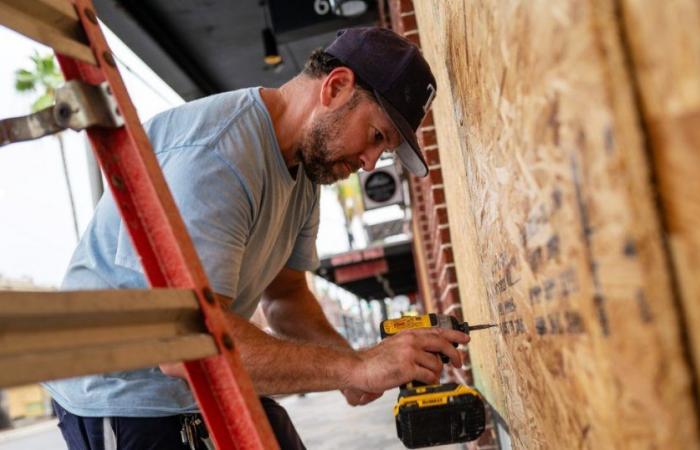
(79,105)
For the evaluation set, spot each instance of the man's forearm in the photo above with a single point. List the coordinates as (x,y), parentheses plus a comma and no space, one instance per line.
(302,319)
(279,366)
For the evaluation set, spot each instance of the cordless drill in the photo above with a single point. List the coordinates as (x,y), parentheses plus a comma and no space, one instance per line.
(437,414)
(392,326)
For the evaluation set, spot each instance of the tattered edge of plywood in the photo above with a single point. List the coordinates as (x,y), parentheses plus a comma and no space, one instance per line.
(663,47)
(674,381)
(624,112)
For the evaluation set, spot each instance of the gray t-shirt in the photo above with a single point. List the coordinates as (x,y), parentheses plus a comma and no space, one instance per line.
(248,218)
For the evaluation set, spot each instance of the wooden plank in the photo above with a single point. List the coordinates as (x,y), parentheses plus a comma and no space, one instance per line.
(52,22)
(664,47)
(60,14)
(84,334)
(41,366)
(61,7)
(46,335)
(15,305)
(36,321)
(547,180)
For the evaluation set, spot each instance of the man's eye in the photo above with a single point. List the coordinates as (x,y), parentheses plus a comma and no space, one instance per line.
(378,136)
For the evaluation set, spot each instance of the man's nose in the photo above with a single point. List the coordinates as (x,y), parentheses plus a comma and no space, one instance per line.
(369,158)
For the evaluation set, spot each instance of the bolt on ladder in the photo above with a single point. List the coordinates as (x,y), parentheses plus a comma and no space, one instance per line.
(49,335)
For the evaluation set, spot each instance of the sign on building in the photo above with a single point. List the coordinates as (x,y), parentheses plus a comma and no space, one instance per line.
(381,187)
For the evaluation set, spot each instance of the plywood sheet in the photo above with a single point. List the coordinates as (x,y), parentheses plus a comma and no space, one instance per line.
(664,49)
(548,182)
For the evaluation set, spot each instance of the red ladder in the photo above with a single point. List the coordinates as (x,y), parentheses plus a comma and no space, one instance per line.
(225,394)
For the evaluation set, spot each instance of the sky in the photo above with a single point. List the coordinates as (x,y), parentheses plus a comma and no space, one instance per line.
(36,231)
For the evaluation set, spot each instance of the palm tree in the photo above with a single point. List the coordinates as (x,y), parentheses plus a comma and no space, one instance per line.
(45,77)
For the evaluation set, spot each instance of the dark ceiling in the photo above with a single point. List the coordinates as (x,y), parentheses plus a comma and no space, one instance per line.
(202,47)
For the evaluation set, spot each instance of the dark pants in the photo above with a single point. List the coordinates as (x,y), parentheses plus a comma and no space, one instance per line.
(155,433)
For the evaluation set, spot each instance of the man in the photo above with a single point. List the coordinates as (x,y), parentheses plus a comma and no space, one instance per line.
(244,168)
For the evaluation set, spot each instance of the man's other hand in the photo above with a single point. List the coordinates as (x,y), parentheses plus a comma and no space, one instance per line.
(173,370)
(358,397)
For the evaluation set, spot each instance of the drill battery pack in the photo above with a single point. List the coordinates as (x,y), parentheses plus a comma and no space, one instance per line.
(439,414)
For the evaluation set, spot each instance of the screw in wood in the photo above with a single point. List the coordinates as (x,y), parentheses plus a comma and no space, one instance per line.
(108,58)
(117,182)
(209,296)
(90,14)
(227,341)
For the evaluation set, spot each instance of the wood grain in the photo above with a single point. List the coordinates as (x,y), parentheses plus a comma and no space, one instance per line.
(560,241)
(42,366)
(664,48)
(52,22)
(46,335)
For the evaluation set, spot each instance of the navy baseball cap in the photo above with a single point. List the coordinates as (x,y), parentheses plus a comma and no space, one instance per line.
(400,78)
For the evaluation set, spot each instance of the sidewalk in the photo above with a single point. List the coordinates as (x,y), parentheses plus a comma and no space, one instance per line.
(326,422)
(43,435)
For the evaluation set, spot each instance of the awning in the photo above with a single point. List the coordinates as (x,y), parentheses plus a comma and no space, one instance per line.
(375,272)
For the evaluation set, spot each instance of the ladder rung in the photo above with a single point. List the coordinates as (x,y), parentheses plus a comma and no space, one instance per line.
(41,366)
(51,22)
(58,334)
(15,305)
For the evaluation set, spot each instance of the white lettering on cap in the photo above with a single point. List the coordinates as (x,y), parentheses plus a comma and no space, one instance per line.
(426,106)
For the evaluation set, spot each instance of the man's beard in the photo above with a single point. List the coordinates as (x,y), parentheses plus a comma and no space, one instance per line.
(315,151)
(315,154)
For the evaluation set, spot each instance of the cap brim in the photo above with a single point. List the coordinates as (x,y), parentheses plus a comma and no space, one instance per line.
(409,152)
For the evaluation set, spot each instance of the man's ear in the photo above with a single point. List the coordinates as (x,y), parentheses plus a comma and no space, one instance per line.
(337,87)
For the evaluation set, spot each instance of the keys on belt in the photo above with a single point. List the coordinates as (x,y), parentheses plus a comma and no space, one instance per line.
(194,434)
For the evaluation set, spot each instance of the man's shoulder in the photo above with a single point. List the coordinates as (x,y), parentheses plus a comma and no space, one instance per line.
(201,122)
(233,128)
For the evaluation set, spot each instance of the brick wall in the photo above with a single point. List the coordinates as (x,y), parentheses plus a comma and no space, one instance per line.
(428,195)
(440,290)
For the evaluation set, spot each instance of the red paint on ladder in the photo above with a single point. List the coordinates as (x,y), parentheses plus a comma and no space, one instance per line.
(225,394)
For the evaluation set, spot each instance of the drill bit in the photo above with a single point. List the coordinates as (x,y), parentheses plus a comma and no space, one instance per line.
(466,328)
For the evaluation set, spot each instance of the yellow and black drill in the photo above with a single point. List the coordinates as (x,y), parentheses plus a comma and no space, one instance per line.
(438,414)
